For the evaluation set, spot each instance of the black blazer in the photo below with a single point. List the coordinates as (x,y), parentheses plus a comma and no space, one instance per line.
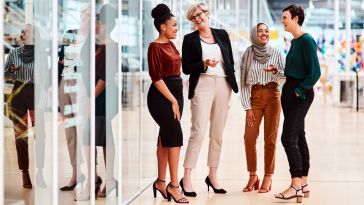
(192,63)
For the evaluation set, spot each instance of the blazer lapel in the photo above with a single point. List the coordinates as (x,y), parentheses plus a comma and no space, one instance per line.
(197,42)
(218,38)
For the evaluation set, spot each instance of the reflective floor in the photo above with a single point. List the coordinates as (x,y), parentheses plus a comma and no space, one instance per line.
(335,138)
(337,162)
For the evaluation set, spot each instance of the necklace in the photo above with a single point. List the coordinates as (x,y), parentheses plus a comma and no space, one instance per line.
(206,36)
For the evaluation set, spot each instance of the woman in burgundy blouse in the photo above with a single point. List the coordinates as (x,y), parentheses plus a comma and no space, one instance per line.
(165,101)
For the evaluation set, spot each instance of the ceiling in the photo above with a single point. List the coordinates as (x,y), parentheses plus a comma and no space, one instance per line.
(321,12)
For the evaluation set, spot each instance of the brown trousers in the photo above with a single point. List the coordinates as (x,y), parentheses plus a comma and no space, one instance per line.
(265,102)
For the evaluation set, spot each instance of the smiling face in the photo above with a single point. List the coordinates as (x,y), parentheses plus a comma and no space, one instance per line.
(200,18)
(288,23)
(263,34)
(26,35)
(170,28)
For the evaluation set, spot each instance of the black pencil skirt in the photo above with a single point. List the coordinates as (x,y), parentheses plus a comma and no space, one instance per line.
(170,131)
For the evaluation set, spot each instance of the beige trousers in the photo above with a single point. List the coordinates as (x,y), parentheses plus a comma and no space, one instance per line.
(210,102)
(65,99)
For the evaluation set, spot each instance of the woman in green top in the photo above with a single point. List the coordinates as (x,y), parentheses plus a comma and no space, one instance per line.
(302,71)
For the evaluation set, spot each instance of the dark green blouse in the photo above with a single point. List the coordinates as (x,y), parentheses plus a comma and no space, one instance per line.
(302,63)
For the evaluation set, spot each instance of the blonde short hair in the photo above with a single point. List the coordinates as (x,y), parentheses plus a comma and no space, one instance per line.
(203,6)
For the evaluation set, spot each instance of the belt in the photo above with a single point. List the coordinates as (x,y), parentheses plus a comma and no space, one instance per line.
(268,85)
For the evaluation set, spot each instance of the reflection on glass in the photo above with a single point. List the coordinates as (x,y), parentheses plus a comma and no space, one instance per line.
(74,99)
(130,32)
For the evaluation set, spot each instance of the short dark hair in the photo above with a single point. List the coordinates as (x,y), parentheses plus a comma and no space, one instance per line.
(298,11)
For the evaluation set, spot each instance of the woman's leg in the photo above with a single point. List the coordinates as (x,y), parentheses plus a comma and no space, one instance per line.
(69,99)
(219,111)
(200,113)
(162,158)
(19,117)
(295,111)
(173,161)
(250,139)
(271,124)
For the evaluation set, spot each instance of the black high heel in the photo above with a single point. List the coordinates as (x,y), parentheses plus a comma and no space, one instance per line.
(97,186)
(86,197)
(155,189)
(80,179)
(109,189)
(217,191)
(186,193)
(182,200)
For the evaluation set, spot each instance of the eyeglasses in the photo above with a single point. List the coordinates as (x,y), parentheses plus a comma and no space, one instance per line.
(198,15)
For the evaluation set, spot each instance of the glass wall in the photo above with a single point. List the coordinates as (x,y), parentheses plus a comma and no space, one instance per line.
(75,87)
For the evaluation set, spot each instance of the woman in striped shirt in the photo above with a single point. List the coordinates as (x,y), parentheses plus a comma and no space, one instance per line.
(19,68)
(261,69)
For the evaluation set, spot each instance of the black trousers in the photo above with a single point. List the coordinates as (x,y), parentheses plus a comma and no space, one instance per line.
(22,105)
(293,134)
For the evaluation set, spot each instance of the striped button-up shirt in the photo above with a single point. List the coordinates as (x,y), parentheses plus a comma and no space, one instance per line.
(26,70)
(261,77)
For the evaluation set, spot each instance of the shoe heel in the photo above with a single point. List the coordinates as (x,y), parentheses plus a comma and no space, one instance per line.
(169,196)
(97,190)
(299,199)
(306,195)
(256,185)
(208,188)
(97,193)
(117,189)
(154,192)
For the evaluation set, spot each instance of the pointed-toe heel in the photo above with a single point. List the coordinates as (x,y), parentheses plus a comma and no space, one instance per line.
(186,193)
(216,191)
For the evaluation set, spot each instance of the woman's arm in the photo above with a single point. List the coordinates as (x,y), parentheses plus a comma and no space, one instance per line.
(245,96)
(162,87)
(281,63)
(313,68)
(9,63)
(100,86)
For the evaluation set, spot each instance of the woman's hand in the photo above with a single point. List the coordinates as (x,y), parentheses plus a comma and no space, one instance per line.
(13,68)
(210,62)
(271,68)
(250,118)
(176,113)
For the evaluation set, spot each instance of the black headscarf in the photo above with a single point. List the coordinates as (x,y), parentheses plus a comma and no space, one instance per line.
(26,54)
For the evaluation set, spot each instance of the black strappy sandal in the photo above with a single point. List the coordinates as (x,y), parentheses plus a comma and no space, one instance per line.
(297,196)
(306,194)
(182,200)
(155,189)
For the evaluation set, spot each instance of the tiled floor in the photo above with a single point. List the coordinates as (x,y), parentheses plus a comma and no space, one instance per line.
(335,137)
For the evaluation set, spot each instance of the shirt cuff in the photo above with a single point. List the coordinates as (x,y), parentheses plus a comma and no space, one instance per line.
(248,108)
(300,93)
